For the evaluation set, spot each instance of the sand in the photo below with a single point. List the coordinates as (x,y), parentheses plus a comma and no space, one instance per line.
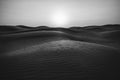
(58,56)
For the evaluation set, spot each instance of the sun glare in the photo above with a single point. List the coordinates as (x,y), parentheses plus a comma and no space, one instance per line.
(59,18)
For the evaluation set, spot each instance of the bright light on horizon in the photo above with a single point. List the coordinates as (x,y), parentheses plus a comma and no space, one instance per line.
(59,18)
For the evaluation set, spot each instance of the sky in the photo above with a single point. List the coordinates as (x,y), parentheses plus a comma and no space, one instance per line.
(59,13)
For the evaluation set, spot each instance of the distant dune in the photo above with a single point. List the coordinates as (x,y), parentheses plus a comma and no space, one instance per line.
(46,53)
(114,35)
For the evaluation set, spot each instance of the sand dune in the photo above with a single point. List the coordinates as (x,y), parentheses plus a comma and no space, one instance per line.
(112,35)
(60,60)
(8,28)
(59,54)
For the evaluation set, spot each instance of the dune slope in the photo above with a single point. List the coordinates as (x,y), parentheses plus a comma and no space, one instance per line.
(61,60)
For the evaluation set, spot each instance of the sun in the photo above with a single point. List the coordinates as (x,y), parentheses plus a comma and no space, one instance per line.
(59,18)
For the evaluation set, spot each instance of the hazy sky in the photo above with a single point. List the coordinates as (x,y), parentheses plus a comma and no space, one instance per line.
(59,12)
